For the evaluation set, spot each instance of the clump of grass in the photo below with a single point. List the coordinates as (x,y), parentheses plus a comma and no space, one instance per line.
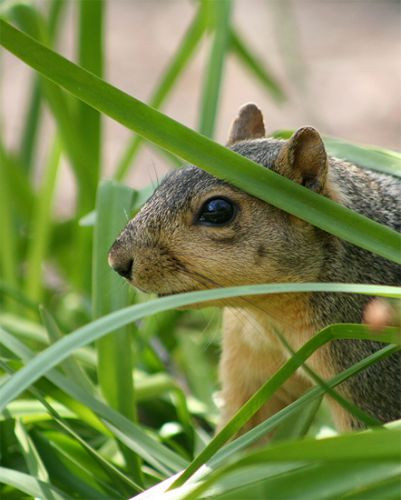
(92,401)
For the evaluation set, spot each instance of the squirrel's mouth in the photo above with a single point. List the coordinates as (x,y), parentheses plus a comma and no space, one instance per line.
(160,295)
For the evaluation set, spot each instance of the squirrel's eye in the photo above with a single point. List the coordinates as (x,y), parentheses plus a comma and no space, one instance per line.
(216,212)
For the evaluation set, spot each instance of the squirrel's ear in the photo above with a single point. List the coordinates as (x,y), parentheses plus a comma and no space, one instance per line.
(248,124)
(303,159)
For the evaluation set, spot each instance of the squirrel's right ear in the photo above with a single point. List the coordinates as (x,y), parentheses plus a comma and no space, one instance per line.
(248,125)
(303,159)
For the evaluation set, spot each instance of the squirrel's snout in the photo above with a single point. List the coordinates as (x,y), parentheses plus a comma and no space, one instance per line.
(122,264)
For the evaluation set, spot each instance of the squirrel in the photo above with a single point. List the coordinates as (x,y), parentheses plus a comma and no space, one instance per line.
(198,232)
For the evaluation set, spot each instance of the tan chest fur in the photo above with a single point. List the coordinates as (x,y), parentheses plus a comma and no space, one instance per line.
(253,352)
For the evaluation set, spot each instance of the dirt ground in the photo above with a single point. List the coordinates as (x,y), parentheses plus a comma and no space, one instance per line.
(338,61)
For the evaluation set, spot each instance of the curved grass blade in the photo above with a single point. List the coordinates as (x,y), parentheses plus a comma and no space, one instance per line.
(203,152)
(95,330)
(132,435)
(231,450)
(29,485)
(256,401)
(328,480)
(33,459)
(283,415)
(380,159)
(31,122)
(244,54)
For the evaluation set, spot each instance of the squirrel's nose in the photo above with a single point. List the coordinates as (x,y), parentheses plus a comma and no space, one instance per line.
(122,265)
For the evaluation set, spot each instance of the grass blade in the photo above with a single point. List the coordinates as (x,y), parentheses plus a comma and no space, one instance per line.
(239,48)
(220,13)
(8,247)
(32,121)
(256,401)
(215,159)
(41,226)
(162,458)
(56,353)
(90,57)
(286,413)
(28,484)
(115,355)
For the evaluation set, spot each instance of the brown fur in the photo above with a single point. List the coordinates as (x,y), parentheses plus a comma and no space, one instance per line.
(171,252)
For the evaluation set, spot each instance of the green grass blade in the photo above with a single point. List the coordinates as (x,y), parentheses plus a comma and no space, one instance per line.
(63,469)
(256,401)
(132,435)
(378,446)
(90,57)
(95,330)
(71,367)
(32,121)
(298,424)
(380,159)
(31,128)
(174,70)
(221,12)
(41,226)
(389,488)
(326,480)
(286,413)
(33,23)
(19,186)
(115,361)
(239,48)
(30,454)
(115,475)
(30,411)
(115,355)
(208,155)
(8,247)
(28,484)
(372,445)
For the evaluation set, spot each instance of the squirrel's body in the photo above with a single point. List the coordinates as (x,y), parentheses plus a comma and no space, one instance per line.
(180,241)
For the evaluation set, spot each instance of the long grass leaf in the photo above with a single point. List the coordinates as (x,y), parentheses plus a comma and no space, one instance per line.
(115,354)
(220,11)
(31,127)
(95,330)
(255,66)
(131,434)
(90,57)
(71,367)
(256,401)
(8,246)
(34,460)
(28,484)
(196,485)
(208,155)
(41,226)
(286,413)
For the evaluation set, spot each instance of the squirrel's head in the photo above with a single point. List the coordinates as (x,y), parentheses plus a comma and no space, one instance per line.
(198,232)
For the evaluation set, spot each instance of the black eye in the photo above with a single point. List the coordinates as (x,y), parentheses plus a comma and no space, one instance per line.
(216,212)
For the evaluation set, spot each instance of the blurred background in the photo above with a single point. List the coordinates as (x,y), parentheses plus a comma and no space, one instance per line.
(337,62)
